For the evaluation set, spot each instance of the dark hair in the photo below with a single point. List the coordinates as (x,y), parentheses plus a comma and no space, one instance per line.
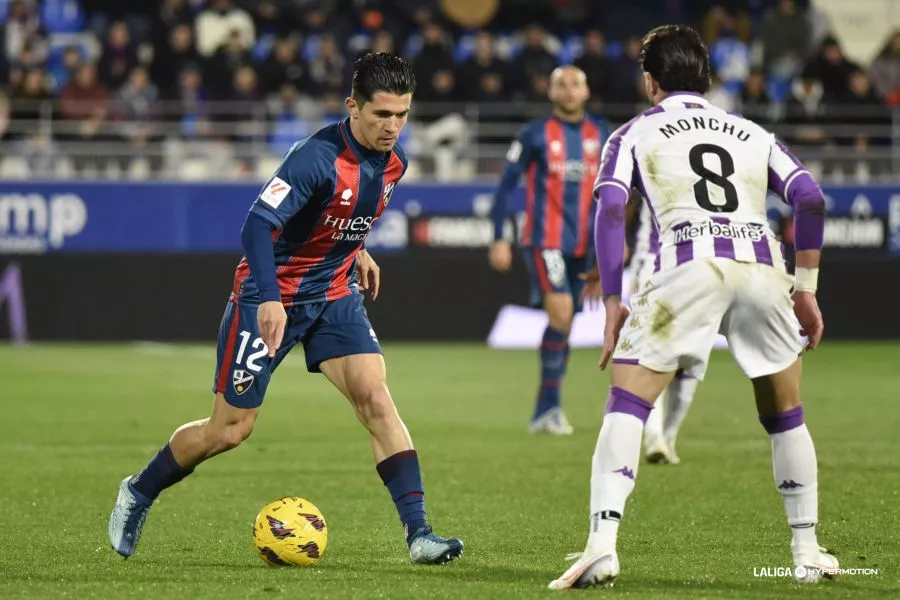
(381,72)
(676,57)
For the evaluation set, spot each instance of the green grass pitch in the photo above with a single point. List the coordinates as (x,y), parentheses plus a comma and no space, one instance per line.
(78,418)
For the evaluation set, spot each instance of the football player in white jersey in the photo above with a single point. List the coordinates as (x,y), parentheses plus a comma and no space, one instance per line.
(705,174)
(664,422)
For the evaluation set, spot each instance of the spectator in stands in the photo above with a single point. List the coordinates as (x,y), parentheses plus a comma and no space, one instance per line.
(786,34)
(595,64)
(284,66)
(326,70)
(383,41)
(119,56)
(30,103)
(245,128)
(230,57)
(885,71)
(34,52)
(27,103)
(625,82)
(433,66)
(191,113)
(271,16)
(171,14)
(862,110)
(83,105)
(832,68)
(805,113)
(217,24)
(755,103)
(730,55)
(534,60)
(72,60)
(21,25)
(175,55)
(136,110)
(481,77)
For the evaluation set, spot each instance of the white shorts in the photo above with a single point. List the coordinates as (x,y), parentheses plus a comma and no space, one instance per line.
(676,316)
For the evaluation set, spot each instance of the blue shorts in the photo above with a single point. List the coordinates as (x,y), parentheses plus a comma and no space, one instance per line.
(327,329)
(551,271)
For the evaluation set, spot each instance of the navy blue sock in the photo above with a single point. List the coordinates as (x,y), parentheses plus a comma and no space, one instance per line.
(403,479)
(161,472)
(554,356)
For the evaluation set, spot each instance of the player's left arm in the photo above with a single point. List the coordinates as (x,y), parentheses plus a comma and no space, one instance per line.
(612,190)
(790,180)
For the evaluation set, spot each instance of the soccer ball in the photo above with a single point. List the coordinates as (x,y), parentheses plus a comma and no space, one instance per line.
(290,531)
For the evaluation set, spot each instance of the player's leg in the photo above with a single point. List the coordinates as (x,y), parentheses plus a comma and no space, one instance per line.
(669,328)
(764,340)
(679,398)
(242,373)
(343,346)
(551,288)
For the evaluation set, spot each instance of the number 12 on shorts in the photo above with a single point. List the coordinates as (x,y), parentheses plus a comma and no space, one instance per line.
(258,345)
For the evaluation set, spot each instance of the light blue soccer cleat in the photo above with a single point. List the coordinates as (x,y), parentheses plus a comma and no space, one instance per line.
(428,548)
(127,518)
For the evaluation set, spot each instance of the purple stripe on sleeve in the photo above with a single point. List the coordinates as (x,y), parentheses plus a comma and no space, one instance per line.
(776,184)
(808,201)
(654,237)
(684,251)
(626,361)
(781,422)
(723,246)
(657,263)
(609,237)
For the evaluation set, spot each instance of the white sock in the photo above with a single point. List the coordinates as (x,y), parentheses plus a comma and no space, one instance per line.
(653,428)
(796,477)
(679,396)
(613,473)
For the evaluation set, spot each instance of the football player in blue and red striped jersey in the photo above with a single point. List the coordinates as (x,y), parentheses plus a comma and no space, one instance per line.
(300,281)
(559,156)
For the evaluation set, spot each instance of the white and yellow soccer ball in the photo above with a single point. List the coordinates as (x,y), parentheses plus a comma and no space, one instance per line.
(290,531)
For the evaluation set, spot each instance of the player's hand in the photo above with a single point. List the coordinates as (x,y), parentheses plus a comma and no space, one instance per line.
(369,273)
(806,308)
(592,293)
(272,319)
(616,314)
(500,256)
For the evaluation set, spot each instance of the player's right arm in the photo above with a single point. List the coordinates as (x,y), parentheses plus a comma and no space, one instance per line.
(288,191)
(790,180)
(518,157)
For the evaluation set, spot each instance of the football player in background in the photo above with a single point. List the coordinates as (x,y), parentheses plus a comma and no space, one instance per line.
(560,156)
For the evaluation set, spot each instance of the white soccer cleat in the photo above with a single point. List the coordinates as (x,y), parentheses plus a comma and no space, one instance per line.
(659,452)
(553,422)
(815,566)
(590,570)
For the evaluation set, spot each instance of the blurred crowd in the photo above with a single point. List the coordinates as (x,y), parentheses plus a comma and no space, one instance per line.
(260,74)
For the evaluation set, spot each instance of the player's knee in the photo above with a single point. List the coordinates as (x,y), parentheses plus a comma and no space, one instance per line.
(231,435)
(374,405)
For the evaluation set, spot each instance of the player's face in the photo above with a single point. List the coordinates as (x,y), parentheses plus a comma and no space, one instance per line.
(381,119)
(569,91)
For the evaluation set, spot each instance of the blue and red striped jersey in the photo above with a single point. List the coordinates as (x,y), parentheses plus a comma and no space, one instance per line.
(323,201)
(560,160)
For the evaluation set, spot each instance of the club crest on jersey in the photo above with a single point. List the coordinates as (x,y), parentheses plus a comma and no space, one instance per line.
(590,146)
(388,192)
(242,380)
(555,147)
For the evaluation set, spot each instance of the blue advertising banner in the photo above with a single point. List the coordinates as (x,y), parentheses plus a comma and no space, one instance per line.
(36,218)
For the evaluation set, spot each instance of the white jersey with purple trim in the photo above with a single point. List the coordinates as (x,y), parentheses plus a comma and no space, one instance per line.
(646,247)
(704,175)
